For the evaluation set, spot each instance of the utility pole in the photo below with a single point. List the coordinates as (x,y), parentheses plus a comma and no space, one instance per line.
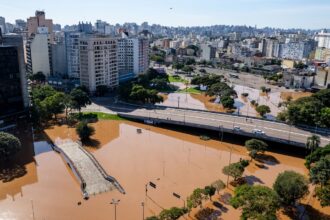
(115,202)
(142,204)
(33,217)
(231,149)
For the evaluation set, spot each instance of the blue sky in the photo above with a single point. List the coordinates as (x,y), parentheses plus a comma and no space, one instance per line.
(273,13)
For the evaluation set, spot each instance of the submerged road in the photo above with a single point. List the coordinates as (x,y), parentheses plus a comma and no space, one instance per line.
(274,131)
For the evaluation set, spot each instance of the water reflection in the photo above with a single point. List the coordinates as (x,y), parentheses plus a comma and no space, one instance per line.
(42,147)
(21,170)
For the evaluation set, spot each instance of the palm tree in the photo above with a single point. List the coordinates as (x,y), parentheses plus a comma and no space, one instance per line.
(313,142)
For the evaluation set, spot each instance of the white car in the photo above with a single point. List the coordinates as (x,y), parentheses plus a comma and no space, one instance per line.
(258,132)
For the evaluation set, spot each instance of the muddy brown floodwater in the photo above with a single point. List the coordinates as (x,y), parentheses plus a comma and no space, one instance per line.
(174,161)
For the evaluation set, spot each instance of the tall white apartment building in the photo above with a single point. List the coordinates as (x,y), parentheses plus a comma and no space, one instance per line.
(128,58)
(133,57)
(38,52)
(72,53)
(323,39)
(143,55)
(98,62)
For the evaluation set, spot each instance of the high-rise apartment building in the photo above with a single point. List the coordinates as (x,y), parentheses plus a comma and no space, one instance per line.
(323,39)
(128,58)
(98,62)
(21,24)
(3,25)
(39,20)
(208,52)
(101,26)
(297,50)
(72,53)
(38,53)
(59,62)
(13,83)
(270,47)
(143,55)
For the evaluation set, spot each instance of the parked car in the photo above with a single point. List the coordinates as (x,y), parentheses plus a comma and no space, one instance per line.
(236,128)
(258,132)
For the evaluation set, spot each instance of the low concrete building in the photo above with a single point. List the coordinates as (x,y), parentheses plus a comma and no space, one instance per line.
(322,78)
(298,79)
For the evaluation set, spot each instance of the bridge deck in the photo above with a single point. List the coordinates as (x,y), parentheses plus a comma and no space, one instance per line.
(92,176)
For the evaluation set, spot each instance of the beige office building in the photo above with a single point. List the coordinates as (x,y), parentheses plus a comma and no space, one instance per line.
(38,53)
(98,62)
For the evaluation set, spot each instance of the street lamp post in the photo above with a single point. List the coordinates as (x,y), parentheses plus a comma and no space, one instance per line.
(179,102)
(179,197)
(142,204)
(115,202)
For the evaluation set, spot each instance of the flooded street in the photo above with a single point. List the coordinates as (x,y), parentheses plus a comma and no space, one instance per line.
(174,161)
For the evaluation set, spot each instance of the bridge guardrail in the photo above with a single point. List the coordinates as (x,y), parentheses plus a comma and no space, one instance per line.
(75,169)
(101,169)
(323,131)
(210,127)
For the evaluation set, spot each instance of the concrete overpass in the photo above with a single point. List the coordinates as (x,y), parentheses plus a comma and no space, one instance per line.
(274,131)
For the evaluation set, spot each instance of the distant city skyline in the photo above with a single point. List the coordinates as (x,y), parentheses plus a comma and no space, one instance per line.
(304,14)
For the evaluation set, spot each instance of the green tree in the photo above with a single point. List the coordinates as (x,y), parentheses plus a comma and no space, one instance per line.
(177,66)
(324,96)
(325,117)
(152,218)
(160,83)
(9,146)
(256,202)
(263,89)
(227,102)
(195,198)
(84,131)
(320,172)
(317,155)
(255,147)
(79,99)
(84,88)
(209,191)
(323,195)
(171,214)
(67,103)
(187,69)
(218,185)
(206,80)
(220,89)
(42,92)
(313,142)
(125,90)
(39,77)
(262,110)
(290,186)
(234,170)
(54,104)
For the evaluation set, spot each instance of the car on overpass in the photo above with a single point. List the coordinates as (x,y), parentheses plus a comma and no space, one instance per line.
(258,132)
